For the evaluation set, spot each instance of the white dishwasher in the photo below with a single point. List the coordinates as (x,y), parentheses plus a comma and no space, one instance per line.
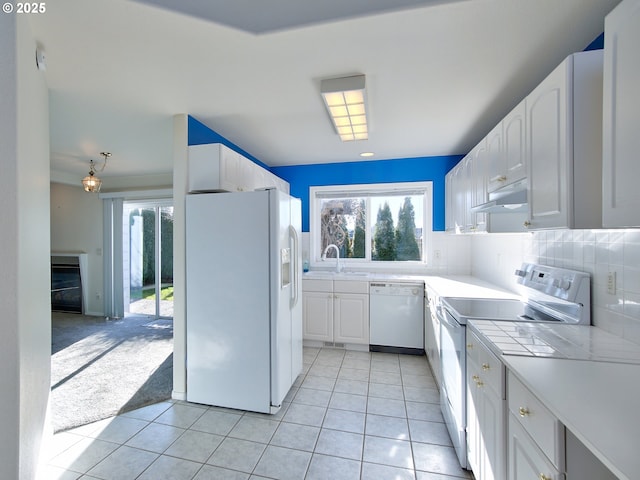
(396,317)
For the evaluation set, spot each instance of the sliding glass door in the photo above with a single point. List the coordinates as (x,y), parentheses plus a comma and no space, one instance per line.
(148,258)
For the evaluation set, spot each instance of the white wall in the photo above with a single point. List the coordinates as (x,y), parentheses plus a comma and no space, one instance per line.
(180,154)
(76,227)
(9,305)
(494,257)
(598,252)
(25,343)
(449,254)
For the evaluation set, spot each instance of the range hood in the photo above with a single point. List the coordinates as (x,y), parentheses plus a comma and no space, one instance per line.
(508,199)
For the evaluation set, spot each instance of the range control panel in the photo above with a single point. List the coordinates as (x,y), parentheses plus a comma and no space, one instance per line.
(570,285)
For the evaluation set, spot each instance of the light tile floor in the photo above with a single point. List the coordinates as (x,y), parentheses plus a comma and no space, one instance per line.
(350,415)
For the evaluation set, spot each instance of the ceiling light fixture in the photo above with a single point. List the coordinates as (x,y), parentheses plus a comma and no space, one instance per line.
(91,183)
(345,100)
(367,154)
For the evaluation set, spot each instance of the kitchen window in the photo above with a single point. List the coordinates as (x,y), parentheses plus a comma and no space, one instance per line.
(380,224)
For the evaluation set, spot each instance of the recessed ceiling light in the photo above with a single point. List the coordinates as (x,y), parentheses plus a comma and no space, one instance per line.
(367,154)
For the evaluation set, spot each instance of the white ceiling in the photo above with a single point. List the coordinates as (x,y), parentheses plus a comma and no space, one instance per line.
(440,74)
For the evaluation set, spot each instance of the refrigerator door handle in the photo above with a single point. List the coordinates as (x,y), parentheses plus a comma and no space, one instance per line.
(295,254)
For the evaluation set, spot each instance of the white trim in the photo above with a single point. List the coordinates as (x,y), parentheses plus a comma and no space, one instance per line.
(112,257)
(175,395)
(317,193)
(139,194)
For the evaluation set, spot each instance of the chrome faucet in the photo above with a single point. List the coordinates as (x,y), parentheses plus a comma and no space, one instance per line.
(324,256)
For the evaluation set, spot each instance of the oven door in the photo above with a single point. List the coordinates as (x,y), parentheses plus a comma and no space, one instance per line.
(452,394)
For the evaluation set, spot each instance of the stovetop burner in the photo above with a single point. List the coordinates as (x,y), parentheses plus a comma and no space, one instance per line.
(494,309)
(550,294)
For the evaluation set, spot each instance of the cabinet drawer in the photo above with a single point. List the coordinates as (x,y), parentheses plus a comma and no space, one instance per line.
(316,285)
(350,286)
(492,370)
(473,347)
(489,368)
(544,428)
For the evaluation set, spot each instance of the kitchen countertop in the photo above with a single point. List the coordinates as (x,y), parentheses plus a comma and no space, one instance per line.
(584,375)
(596,401)
(553,340)
(443,286)
(360,275)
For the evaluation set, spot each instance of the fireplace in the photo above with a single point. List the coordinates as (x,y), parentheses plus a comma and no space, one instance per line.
(67,292)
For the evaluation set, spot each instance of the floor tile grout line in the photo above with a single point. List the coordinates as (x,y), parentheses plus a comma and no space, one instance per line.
(323,425)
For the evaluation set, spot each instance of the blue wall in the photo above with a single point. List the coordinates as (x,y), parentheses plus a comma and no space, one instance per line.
(200,134)
(434,169)
(301,177)
(597,44)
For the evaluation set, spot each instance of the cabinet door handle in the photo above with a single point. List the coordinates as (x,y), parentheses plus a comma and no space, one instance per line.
(527,224)
(524,411)
(479,383)
(485,366)
(502,178)
(543,477)
(469,346)
(475,378)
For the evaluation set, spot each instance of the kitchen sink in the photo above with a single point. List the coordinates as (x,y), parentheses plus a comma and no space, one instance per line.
(330,274)
(317,273)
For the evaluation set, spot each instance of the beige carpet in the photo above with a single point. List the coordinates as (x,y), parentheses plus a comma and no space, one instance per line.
(100,368)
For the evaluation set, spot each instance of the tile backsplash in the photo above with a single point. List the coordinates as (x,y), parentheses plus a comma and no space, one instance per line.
(494,257)
(448,255)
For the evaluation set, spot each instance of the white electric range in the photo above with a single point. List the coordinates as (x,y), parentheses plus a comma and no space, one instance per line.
(549,294)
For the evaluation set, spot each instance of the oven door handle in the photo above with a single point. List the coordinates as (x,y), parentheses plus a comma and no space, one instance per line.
(449,320)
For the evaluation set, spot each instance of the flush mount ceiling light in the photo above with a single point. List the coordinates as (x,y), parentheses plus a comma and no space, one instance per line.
(91,183)
(345,100)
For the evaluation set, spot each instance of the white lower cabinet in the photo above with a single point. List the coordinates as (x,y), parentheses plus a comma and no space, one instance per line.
(485,411)
(351,318)
(526,460)
(432,334)
(317,312)
(536,438)
(511,433)
(336,311)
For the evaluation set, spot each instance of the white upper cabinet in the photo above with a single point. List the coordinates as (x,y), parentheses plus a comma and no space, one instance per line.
(449,209)
(214,167)
(563,145)
(459,192)
(621,116)
(506,150)
(232,171)
(478,185)
(547,115)
(513,144)
(468,193)
(496,166)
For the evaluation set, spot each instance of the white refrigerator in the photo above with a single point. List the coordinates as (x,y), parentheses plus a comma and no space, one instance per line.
(244,312)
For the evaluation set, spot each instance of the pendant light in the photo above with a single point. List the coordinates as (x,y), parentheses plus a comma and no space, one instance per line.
(91,183)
